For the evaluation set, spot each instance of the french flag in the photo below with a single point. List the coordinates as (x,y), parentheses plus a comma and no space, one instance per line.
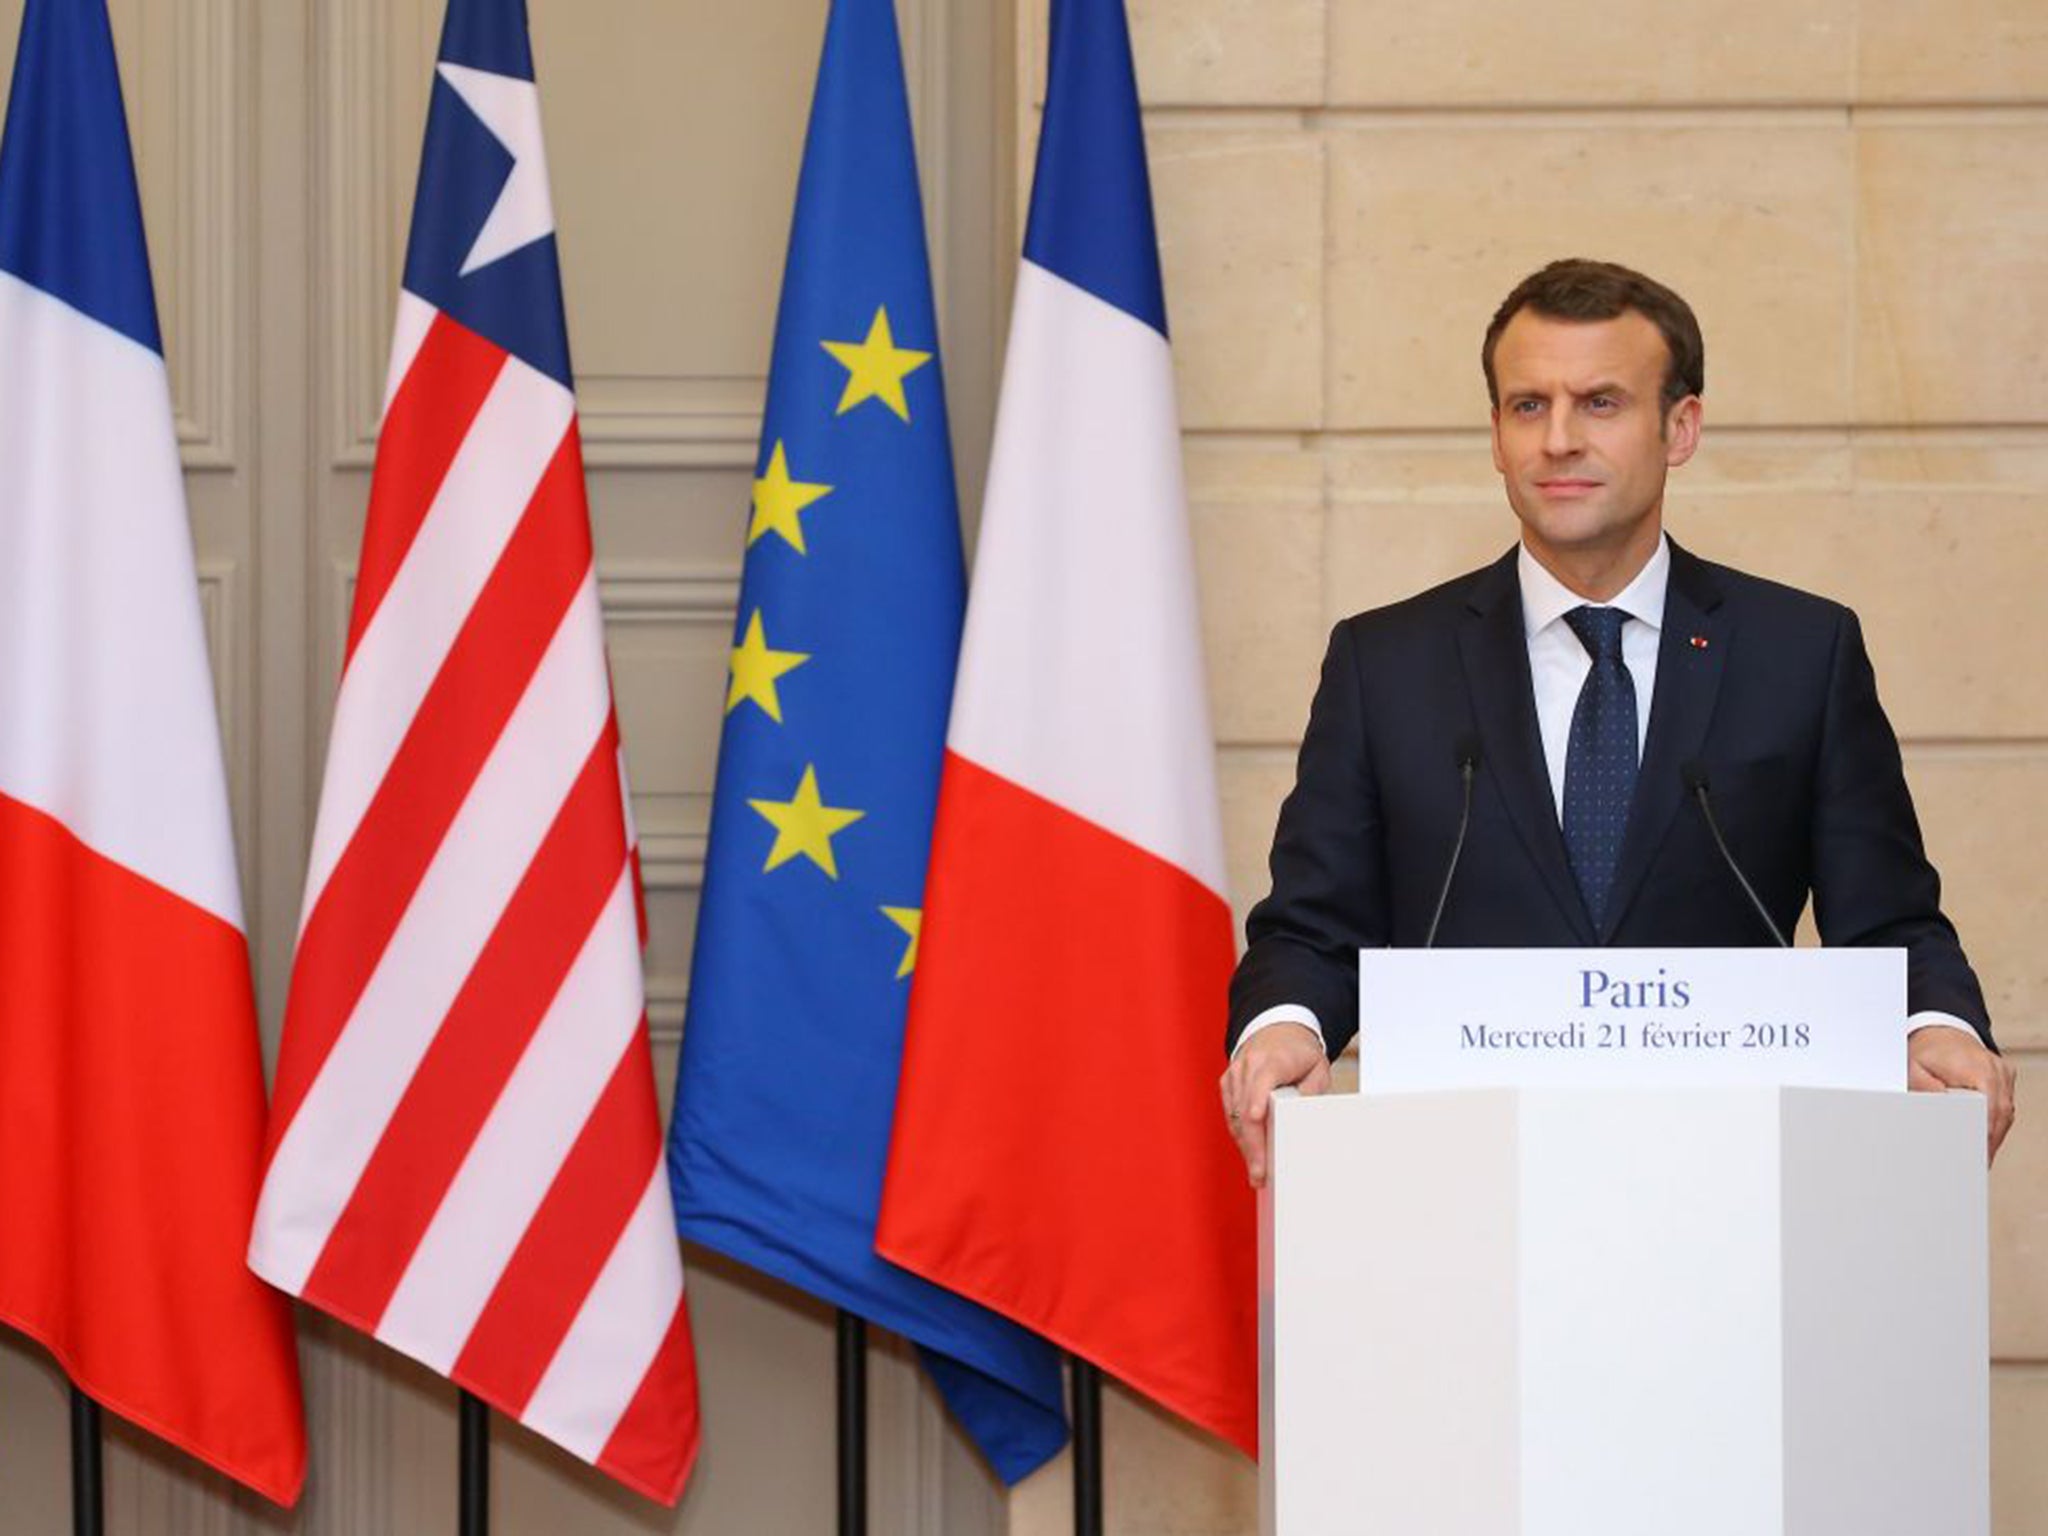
(131,1081)
(1058,1154)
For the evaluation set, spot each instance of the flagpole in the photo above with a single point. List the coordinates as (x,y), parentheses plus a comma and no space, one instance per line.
(88,1505)
(473,1513)
(853,1425)
(1087,1393)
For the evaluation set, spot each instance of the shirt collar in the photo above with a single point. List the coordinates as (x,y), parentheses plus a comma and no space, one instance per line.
(1545,599)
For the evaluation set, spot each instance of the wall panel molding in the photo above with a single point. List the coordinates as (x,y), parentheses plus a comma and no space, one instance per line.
(221,593)
(377,74)
(671,857)
(673,826)
(667,1000)
(378,80)
(671,422)
(354,1469)
(359,202)
(208,303)
(226,616)
(659,592)
(189,88)
(150,1487)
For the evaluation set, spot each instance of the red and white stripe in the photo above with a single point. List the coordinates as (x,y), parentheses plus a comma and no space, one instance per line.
(465,1153)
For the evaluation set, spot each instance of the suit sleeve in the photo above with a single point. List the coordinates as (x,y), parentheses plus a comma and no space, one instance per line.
(1328,869)
(1872,882)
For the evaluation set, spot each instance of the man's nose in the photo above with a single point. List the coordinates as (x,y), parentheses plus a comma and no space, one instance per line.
(1561,431)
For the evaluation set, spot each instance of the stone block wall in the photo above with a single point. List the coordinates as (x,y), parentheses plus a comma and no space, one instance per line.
(1854,196)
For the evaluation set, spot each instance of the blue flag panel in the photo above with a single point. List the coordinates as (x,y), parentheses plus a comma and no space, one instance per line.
(468,166)
(70,218)
(828,771)
(1091,196)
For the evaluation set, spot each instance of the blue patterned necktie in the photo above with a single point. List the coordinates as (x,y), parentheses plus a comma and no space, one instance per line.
(1600,763)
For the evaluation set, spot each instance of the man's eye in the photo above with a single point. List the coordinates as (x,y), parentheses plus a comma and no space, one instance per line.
(1603,404)
(1526,407)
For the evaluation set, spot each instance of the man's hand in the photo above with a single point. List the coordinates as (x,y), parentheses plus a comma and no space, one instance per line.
(1278,1056)
(1939,1058)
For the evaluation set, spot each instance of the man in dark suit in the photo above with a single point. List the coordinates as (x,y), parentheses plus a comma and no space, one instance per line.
(1594,678)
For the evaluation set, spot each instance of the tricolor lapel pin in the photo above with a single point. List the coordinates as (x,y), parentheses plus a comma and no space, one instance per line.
(1699,642)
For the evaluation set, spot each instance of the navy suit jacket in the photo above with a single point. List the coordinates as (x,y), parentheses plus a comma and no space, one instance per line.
(1768,689)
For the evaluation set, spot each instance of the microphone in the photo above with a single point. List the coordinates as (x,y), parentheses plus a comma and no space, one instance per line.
(1466,749)
(1694,774)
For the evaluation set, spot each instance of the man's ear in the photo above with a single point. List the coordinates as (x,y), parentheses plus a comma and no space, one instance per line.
(1499,464)
(1681,431)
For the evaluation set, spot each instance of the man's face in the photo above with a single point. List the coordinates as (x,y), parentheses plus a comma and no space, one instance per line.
(1580,436)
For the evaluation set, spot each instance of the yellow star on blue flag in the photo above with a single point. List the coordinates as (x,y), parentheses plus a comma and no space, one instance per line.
(910,920)
(876,367)
(828,770)
(804,825)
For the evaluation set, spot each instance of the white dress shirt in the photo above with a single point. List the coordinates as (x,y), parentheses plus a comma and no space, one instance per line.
(1558,664)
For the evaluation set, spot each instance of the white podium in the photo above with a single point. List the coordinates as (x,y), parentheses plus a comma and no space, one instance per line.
(1565,1312)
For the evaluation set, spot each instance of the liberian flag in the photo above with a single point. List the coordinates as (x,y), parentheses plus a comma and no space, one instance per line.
(465,1155)
(131,1081)
(1058,1155)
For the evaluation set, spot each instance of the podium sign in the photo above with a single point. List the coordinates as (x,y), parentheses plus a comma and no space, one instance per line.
(1631,1018)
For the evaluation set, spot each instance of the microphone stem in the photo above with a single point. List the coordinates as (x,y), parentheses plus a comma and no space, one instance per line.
(1457,849)
(1714,826)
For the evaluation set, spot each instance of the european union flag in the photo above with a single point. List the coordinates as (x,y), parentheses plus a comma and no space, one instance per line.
(828,769)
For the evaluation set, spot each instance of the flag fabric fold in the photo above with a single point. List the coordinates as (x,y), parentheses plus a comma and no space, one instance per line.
(464,1151)
(131,1077)
(835,717)
(1058,1153)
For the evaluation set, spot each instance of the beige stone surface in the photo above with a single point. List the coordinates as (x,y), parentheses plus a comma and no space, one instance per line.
(33,1463)
(1431,225)
(1942,539)
(2019,1434)
(1942,579)
(1769,461)
(1251,782)
(1874,288)
(1984,815)
(1163,1478)
(1437,466)
(1241,245)
(1180,1481)
(1382,553)
(2019,1225)
(1580,52)
(1043,1504)
(1205,52)
(1966,50)
(1386,543)
(1258,530)
(1952,271)
(1234,52)
(1967,459)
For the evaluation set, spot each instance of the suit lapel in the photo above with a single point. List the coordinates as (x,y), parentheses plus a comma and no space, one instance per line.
(1691,652)
(1495,653)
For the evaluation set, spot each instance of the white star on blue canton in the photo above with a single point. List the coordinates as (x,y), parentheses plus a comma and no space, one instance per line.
(510,108)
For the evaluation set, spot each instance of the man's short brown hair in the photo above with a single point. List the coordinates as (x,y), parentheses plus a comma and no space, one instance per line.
(1578,289)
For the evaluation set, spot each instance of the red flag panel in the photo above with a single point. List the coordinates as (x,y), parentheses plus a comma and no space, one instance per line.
(1052,947)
